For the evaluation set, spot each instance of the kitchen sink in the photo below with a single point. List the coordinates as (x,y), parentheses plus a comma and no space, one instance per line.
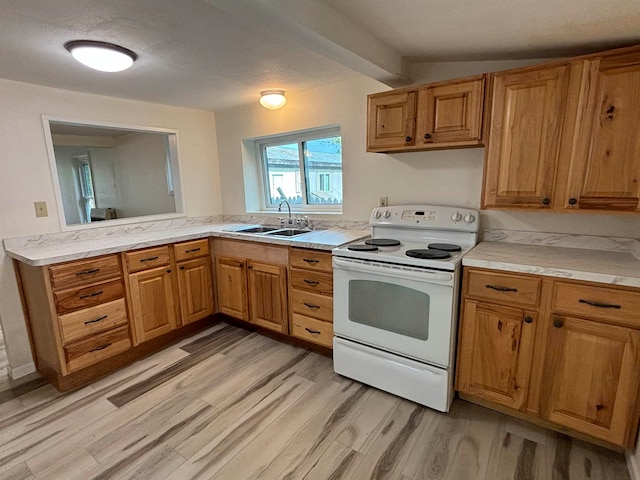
(288,232)
(257,229)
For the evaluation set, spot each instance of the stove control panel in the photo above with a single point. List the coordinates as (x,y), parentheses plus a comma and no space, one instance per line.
(426,216)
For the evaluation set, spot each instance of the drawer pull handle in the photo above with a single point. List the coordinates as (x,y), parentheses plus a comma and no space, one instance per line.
(311,305)
(310,260)
(599,305)
(88,272)
(313,332)
(96,320)
(94,294)
(501,289)
(311,282)
(101,347)
(149,259)
(192,250)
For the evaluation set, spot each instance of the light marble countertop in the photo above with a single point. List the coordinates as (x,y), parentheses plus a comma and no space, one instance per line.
(38,255)
(611,267)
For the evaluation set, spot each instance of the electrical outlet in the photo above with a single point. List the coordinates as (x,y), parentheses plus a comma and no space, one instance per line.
(383,201)
(41,209)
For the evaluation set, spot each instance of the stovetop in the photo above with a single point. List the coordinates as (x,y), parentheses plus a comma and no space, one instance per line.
(417,226)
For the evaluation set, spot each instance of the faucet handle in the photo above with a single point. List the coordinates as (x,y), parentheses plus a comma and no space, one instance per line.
(281,221)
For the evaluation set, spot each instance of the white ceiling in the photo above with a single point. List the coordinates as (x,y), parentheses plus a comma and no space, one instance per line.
(218,54)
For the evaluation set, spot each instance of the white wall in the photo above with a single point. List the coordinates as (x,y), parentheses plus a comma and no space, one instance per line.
(25,174)
(451,177)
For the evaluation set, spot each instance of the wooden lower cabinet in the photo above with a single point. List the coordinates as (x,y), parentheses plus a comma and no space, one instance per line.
(152,303)
(570,361)
(268,296)
(251,281)
(195,289)
(495,353)
(592,373)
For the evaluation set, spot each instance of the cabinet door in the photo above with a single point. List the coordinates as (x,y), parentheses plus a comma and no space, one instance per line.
(231,284)
(391,121)
(524,139)
(591,378)
(196,292)
(268,296)
(152,303)
(496,347)
(451,113)
(605,162)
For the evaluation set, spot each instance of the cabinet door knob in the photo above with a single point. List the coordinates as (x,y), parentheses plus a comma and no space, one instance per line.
(250,267)
(427,136)
(572,201)
(528,319)
(407,139)
(181,267)
(546,201)
(558,323)
(168,270)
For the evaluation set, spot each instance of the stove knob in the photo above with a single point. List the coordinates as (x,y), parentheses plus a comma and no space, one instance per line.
(387,214)
(378,214)
(456,217)
(468,218)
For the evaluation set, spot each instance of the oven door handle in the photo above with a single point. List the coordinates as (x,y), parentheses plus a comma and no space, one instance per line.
(399,272)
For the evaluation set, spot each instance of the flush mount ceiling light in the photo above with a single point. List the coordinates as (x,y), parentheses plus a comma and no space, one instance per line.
(272,99)
(102,56)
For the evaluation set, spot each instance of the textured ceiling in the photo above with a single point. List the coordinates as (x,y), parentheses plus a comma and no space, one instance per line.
(218,54)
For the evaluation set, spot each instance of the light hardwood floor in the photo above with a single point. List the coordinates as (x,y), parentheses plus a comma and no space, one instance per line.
(230,404)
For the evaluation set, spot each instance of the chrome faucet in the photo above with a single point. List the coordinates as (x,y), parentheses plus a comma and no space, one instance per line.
(290,221)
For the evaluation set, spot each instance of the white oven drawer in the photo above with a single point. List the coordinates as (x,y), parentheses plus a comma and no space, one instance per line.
(424,384)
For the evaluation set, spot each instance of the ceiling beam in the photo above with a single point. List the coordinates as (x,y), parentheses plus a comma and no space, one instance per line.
(320,28)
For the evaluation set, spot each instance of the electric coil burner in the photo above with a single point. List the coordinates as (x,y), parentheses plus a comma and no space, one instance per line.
(396,305)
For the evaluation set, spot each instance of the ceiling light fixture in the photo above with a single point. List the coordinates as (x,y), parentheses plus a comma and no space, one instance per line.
(272,99)
(102,56)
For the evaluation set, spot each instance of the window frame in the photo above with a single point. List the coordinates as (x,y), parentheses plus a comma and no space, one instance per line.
(300,137)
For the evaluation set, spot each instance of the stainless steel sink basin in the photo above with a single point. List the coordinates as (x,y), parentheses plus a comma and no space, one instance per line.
(288,232)
(256,229)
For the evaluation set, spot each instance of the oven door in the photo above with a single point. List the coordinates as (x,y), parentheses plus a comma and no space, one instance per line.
(409,311)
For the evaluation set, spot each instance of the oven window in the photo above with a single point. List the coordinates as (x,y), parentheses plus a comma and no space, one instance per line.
(389,307)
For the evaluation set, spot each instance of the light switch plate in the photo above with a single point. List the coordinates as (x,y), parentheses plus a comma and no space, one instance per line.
(41,209)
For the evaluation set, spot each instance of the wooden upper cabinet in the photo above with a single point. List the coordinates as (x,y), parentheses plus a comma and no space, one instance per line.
(524,138)
(495,353)
(451,113)
(604,169)
(391,121)
(591,380)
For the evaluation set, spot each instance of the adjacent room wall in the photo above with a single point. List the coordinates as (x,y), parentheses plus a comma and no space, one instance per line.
(449,177)
(26,175)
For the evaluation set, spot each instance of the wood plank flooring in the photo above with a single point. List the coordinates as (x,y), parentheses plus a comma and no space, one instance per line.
(231,404)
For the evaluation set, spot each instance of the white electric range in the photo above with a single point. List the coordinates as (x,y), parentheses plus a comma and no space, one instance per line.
(396,301)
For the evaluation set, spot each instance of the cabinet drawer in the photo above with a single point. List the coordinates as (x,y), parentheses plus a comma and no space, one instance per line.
(83,323)
(313,330)
(603,303)
(310,259)
(503,287)
(312,305)
(148,258)
(312,281)
(78,298)
(83,272)
(187,250)
(94,349)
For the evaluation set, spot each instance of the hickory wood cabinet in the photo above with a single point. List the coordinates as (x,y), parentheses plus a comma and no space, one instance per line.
(439,115)
(86,317)
(168,286)
(564,136)
(251,282)
(311,295)
(562,353)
